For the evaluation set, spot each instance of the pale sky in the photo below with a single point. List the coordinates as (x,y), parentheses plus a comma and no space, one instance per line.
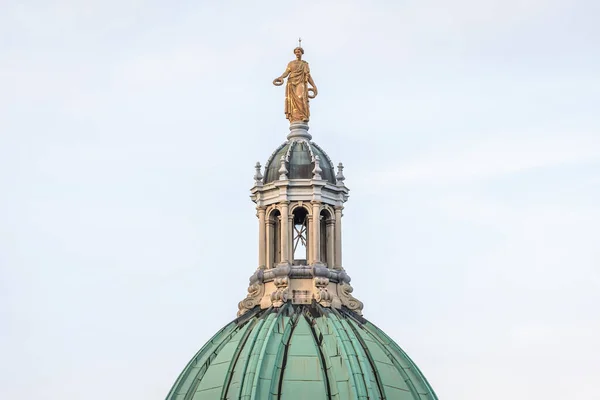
(470,133)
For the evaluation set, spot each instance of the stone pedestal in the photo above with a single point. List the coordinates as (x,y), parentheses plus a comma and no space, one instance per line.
(300,284)
(299,129)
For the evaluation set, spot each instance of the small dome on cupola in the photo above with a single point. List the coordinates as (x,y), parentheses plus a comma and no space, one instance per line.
(299,155)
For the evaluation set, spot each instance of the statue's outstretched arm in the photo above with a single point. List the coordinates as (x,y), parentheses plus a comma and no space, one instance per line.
(286,73)
(279,80)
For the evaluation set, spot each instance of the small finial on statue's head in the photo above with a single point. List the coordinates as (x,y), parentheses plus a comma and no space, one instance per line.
(299,46)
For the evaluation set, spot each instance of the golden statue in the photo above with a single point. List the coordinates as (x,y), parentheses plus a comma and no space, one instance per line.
(297,91)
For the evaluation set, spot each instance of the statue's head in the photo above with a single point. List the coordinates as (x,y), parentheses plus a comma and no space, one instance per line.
(298,51)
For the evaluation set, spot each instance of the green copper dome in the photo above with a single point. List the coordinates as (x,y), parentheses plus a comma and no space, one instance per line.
(301,352)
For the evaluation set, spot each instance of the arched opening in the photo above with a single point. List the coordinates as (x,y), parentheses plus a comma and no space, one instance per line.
(300,236)
(274,239)
(326,222)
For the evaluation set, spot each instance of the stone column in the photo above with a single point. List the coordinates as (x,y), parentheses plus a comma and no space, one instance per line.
(316,232)
(270,251)
(309,240)
(285,230)
(338,237)
(330,242)
(291,238)
(262,248)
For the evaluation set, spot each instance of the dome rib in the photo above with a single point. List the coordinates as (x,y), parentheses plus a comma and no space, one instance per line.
(325,365)
(356,370)
(274,154)
(238,351)
(338,377)
(281,358)
(257,333)
(218,364)
(200,363)
(386,342)
(369,357)
(402,371)
(254,391)
(329,162)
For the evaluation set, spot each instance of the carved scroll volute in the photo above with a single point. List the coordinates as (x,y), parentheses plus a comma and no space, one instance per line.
(345,294)
(322,295)
(280,295)
(255,293)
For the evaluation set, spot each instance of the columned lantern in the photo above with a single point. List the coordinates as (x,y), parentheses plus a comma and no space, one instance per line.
(299,201)
(300,332)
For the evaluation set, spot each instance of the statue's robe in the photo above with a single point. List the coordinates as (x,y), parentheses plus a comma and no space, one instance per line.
(296,93)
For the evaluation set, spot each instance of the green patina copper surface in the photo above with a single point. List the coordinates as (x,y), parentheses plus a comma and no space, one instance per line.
(300,164)
(301,352)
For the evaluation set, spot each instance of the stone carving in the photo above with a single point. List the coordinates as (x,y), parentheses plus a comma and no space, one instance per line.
(317,169)
(258,176)
(297,91)
(283,170)
(339,178)
(300,284)
(256,291)
(344,292)
(280,295)
(322,295)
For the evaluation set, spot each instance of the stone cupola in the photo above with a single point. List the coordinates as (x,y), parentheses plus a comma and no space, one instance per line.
(299,202)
